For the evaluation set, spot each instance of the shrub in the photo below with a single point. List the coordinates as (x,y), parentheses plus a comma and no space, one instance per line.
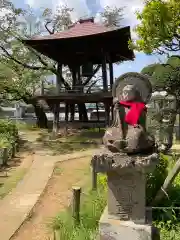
(156,178)
(8,127)
(8,135)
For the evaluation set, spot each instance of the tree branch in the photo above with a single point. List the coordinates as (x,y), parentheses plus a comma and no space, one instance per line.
(89,78)
(26,98)
(8,55)
(46,67)
(89,88)
(41,59)
(46,27)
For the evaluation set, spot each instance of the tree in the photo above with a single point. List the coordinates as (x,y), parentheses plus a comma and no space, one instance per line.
(21,24)
(166,76)
(158,30)
(112,16)
(18,85)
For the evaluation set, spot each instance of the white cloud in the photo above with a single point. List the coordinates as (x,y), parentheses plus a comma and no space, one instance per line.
(81,8)
(130,7)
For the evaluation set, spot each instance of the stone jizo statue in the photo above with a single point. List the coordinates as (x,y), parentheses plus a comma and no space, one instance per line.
(128,132)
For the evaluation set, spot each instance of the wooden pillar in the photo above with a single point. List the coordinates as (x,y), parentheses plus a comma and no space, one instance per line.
(66,115)
(78,82)
(97,110)
(56,119)
(104,72)
(111,75)
(74,82)
(57,104)
(74,77)
(59,78)
(105,86)
(107,113)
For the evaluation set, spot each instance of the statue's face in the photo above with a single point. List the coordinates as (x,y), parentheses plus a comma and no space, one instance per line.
(129,93)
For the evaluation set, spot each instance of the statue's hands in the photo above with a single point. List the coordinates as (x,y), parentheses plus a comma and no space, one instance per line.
(136,126)
(123,143)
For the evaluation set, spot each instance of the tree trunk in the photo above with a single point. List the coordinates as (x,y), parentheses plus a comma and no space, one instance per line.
(42,121)
(56,120)
(80,113)
(83,116)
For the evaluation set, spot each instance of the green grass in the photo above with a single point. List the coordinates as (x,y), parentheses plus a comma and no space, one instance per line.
(80,141)
(92,206)
(169,232)
(168,221)
(11,182)
(25,126)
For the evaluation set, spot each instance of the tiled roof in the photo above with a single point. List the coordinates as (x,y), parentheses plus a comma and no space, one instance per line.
(81,28)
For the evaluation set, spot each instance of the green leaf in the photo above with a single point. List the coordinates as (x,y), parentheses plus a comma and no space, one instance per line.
(158,30)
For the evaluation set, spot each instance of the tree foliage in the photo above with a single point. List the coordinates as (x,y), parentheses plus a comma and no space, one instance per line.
(159,27)
(112,16)
(166,76)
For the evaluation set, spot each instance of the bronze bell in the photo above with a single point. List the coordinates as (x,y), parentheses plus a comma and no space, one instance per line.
(87,70)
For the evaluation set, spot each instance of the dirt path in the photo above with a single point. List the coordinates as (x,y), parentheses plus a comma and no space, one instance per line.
(56,198)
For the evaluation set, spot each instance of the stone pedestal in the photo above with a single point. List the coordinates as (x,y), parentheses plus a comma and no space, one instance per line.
(126,195)
(125,215)
(111,228)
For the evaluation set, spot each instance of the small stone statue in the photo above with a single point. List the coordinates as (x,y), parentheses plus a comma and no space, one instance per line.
(128,132)
(167,118)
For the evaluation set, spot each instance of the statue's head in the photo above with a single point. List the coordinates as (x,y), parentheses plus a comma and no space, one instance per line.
(132,86)
(130,93)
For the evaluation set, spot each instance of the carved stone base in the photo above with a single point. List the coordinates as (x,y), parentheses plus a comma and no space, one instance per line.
(126,182)
(111,228)
(126,195)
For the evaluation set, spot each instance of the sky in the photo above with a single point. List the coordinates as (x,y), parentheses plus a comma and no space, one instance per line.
(84,8)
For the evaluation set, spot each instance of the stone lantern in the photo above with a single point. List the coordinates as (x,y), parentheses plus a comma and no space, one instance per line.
(165,116)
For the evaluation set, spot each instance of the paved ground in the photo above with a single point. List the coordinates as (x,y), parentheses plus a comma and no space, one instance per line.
(17,206)
(56,198)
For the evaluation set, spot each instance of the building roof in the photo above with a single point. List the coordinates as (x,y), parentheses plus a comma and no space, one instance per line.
(83,42)
(81,28)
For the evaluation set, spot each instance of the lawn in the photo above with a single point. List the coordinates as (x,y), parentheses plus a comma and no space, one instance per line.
(79,140)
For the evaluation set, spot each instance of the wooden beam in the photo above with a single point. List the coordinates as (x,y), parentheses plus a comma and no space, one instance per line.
(56,105)
(59,78)
(111,75)
(104,72)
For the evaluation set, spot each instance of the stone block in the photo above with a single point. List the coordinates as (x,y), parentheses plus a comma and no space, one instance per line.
(105,161)
(111,228)
(126,195)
